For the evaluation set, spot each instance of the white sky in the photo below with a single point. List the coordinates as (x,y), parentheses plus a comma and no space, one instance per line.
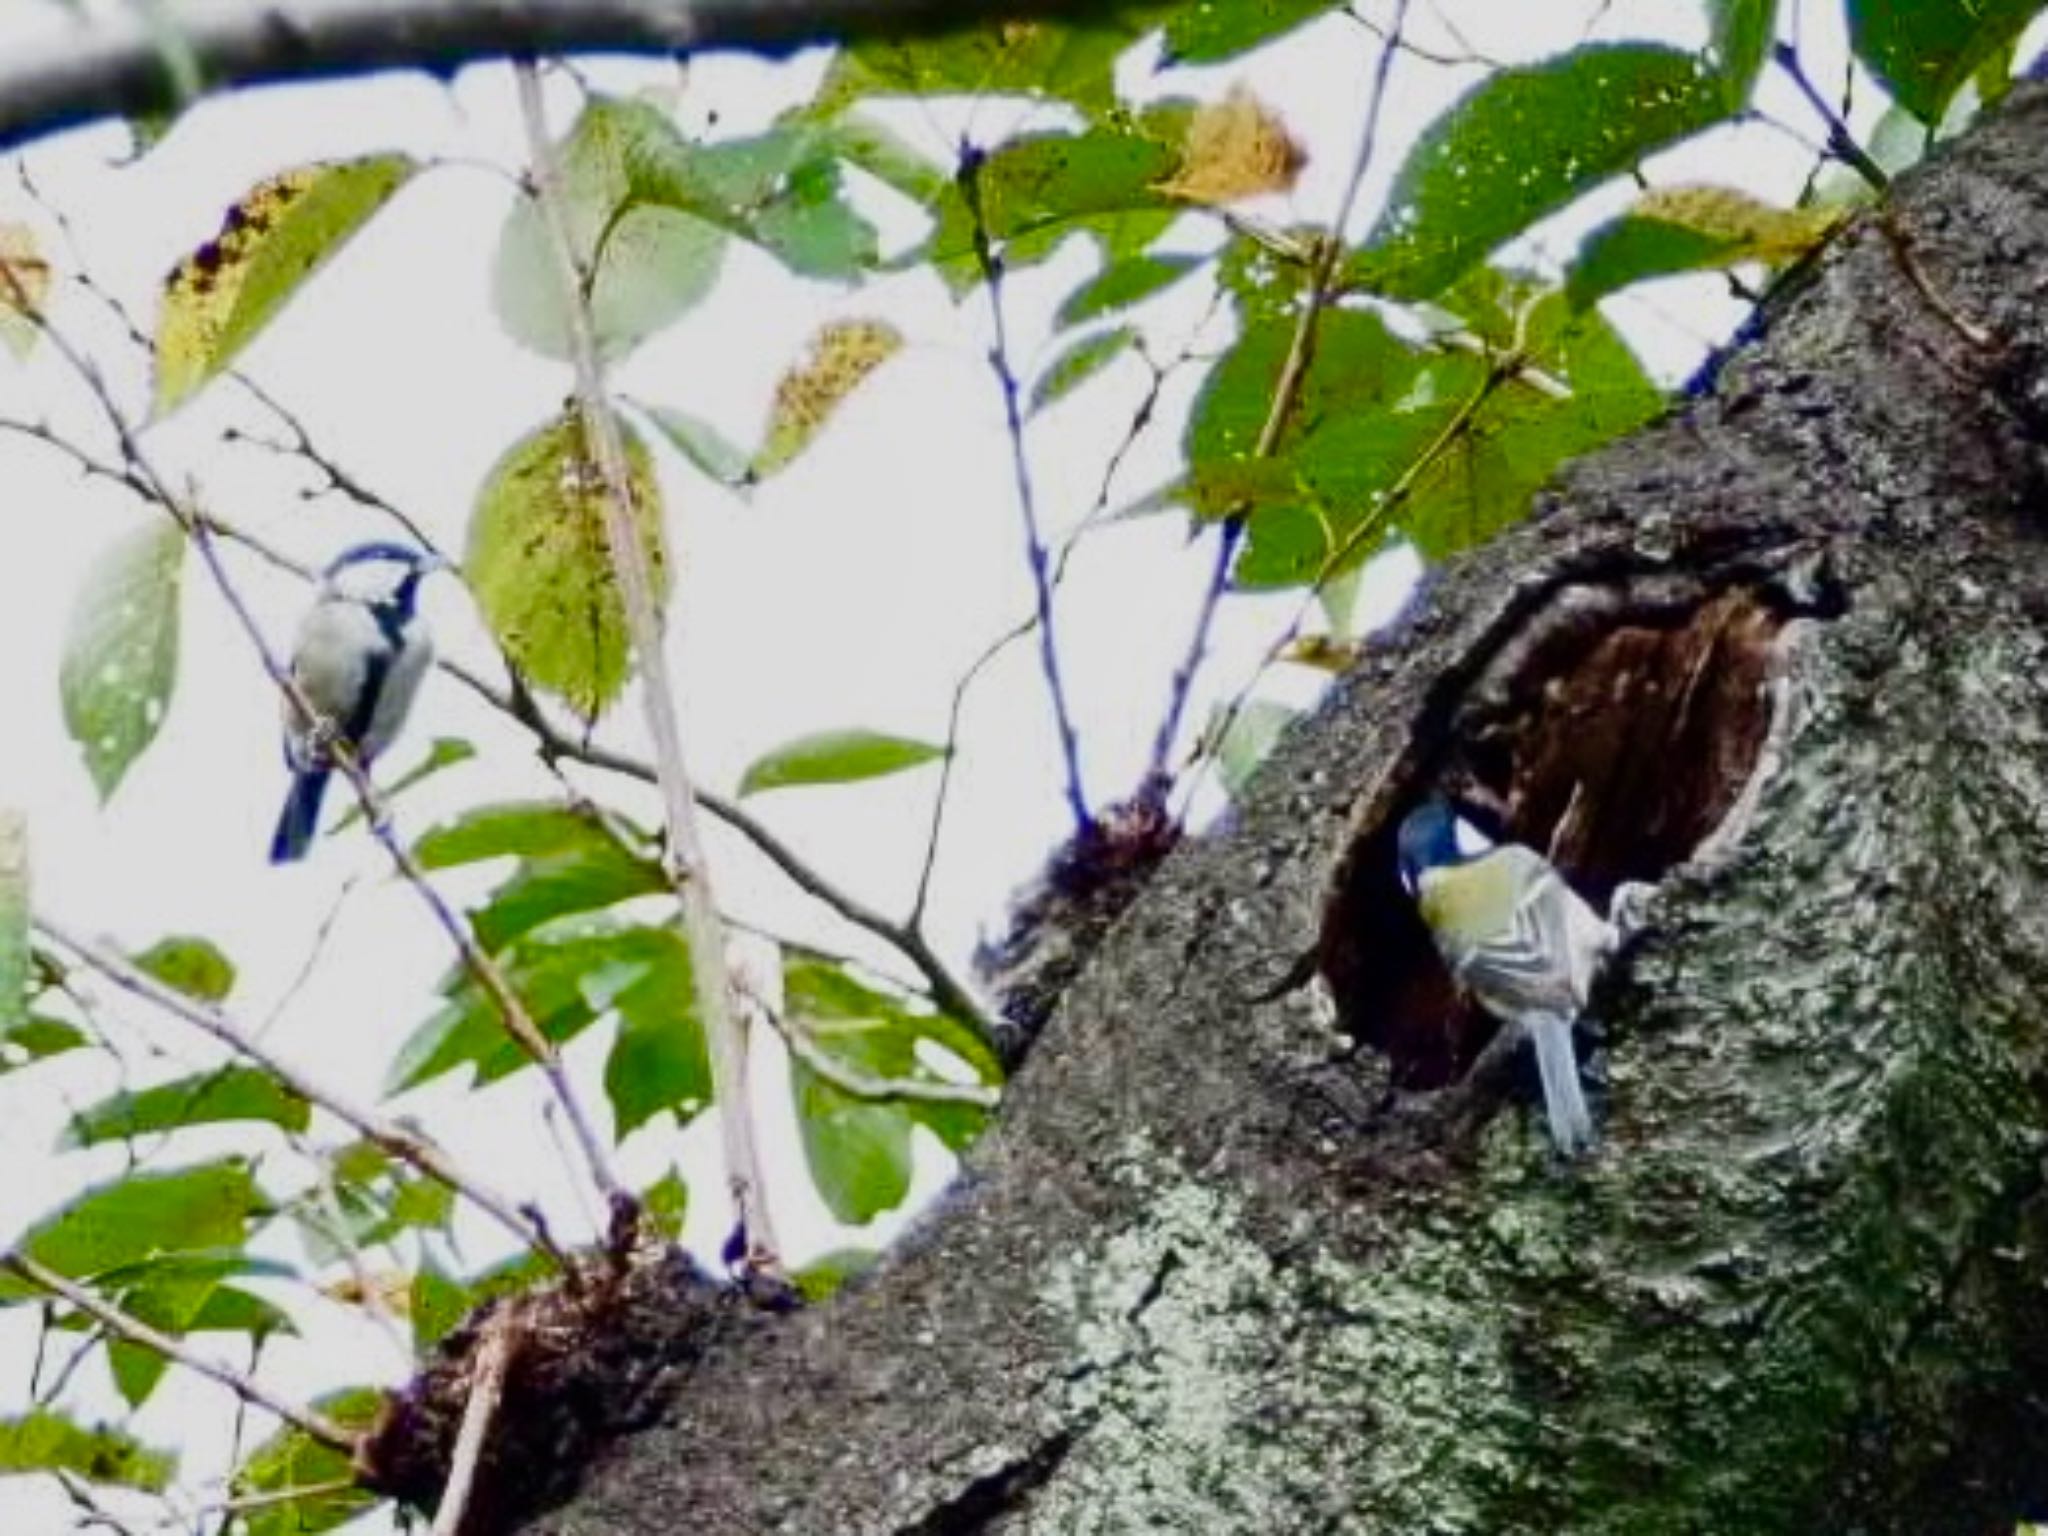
(852,590)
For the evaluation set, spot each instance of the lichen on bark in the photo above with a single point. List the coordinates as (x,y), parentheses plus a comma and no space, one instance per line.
(1222,1266)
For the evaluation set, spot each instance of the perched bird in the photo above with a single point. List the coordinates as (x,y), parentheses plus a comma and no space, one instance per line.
(1515,935)
(358,659)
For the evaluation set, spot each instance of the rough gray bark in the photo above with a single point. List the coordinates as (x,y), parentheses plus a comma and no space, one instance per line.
(1211,1274)
(145,59)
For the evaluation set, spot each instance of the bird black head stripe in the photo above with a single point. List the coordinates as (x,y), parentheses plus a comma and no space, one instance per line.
(362,554)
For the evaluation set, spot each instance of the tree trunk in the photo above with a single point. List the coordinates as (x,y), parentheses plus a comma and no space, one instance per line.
(1269,1240)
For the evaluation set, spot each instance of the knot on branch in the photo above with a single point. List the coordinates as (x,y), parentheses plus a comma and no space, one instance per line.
(592,1358)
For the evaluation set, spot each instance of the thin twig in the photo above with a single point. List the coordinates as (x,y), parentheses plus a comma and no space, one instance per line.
(135,1331)
(683,854)
(386,1134)
(511,1011)
(991,266)
(339,478)
(1841,142)
(271,1498)
(486,1391)
(1286,397)
(485,971)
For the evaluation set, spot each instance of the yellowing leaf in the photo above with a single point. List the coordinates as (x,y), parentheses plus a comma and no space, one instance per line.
(1235,148)
(386,1290)
(540,566)
(24,285)
(841,355)
(1765,231)
(218,298)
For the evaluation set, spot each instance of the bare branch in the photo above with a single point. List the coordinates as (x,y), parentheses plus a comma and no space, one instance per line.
(683,854)
(486,1390)
(113,64)
(389,1135)
(135,1331)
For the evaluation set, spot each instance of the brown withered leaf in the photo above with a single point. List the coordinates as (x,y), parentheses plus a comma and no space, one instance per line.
(1235,148)
(840,356)
(24,287)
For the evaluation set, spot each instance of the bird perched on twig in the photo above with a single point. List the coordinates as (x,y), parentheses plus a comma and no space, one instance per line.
(358,659)
(1515,935)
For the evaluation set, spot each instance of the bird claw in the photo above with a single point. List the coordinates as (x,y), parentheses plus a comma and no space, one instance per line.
(1629,908)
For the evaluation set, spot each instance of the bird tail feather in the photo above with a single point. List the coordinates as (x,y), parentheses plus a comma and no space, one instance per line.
(301,818)
(1564,1101)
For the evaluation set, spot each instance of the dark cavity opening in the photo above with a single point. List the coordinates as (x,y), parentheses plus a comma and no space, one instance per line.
(1614,738)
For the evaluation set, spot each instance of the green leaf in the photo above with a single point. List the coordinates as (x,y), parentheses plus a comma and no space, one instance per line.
(1741,35)
(36,1038)
(666,1203)
(569,861)
(1206,31)
(1036,190)
(838,359)
(659,1061)
(781,190)
(194,966)
(368,1199)
(568,980)
(1249,736)
(1122,284)
(121,650)
(205,1098)
(1078,363)
(860,1150)
(1524,433)
(1690,229)
(293,1459)
(702,444)
(835,757)
(1523,143)
(824,1275)
(436,1302)
(44,1440)
(140,1217)
(219,298)
(1071,63)
(540,568)
(1923,50)
(647,264)
(17,955)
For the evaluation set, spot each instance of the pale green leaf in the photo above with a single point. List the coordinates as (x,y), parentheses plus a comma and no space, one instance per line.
(836,757)
(1078,363)
(17,957)
(702,444)
(121,650)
